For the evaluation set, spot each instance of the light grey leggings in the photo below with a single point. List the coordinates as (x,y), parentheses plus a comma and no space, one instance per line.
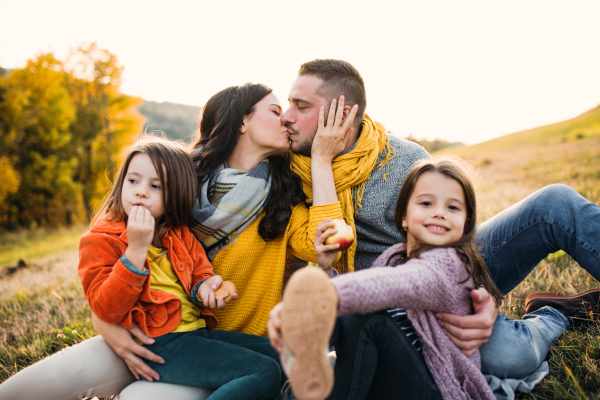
(89,369)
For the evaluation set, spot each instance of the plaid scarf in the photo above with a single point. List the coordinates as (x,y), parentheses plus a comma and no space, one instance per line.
(227,203)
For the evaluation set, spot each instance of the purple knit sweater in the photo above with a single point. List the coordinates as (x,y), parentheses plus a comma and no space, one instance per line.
(423,286)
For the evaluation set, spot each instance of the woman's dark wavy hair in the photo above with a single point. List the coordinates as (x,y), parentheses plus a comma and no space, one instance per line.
(219,131)
(466,247)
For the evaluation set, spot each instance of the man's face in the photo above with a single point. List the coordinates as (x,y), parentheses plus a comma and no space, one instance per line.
(302,116)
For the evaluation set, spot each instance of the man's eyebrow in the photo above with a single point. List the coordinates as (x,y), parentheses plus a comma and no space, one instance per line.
(296,100)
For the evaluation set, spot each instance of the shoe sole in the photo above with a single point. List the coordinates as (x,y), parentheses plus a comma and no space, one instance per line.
(590,296)
(307,321)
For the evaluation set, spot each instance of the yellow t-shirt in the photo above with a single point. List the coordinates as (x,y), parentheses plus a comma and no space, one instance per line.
(163,278)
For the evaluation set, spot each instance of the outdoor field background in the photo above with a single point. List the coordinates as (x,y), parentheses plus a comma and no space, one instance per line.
(42,307)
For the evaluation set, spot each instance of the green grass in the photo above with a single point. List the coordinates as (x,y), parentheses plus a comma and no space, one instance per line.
(32,244)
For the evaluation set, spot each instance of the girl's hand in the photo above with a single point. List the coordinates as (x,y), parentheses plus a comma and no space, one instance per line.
(326,253)
(121,341)
(330,140)
(207,293)
(140,232)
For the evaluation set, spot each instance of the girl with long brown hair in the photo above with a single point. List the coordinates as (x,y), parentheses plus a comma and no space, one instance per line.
(387,337)
(250,218)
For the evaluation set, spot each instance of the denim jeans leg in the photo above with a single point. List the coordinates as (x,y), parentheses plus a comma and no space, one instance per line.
(518,347)
(554,218)
(375,359)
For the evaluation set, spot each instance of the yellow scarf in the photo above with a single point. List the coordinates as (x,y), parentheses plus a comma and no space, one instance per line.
(351,170)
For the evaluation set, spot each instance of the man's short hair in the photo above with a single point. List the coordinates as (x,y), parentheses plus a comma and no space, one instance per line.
(339,77)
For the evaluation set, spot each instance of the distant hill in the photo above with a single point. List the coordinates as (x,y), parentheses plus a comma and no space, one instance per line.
(177,121)
(433,145)
(514,165)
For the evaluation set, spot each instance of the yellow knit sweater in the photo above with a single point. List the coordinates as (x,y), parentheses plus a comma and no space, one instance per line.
(257,267)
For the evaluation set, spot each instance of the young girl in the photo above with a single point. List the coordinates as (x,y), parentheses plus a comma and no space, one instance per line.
(394,347)
(139,264)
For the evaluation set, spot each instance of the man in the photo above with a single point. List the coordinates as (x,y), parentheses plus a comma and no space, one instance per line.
(513,242)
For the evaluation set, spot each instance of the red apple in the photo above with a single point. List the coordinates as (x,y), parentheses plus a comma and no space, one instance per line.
(344,236)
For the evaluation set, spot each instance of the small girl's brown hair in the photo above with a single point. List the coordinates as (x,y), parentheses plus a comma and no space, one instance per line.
(177,178)
(466,247)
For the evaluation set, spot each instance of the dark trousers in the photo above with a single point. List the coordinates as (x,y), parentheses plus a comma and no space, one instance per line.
(237,365)
(375,360)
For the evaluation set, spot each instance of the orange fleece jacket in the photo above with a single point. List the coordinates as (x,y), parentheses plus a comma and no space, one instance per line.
(118,295)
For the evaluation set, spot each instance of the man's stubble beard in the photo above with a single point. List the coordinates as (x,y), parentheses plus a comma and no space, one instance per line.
(303,148)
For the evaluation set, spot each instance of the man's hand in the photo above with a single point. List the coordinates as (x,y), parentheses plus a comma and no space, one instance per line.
(470,332)
(274,328)
(121,341)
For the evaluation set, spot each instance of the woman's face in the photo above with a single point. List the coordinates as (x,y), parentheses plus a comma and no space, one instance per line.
(264,128)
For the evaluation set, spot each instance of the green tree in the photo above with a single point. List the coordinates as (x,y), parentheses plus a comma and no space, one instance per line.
(106,120)
(36,112)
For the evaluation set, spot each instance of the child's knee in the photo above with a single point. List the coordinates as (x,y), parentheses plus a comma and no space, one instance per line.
(270,373)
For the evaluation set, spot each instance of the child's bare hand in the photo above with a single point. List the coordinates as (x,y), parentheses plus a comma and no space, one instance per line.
(140,228)
(326,253)
(140,232)
(212,297)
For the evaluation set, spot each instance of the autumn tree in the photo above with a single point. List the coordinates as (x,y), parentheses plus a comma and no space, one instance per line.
(106,121)
(36,113)
(61,127)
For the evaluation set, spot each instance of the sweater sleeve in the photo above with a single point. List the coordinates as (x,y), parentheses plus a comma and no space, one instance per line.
(110,287)
(303,227)
(427,283)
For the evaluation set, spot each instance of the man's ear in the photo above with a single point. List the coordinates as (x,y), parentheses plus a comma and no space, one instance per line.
(347,110)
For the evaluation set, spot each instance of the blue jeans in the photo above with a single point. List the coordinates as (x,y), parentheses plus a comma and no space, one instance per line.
(376,360)
(512,243)
(237,365)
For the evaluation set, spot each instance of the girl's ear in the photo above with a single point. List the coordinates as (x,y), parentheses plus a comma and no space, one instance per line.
(404,223)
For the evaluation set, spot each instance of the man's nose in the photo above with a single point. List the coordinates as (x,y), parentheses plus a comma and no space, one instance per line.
(287,117)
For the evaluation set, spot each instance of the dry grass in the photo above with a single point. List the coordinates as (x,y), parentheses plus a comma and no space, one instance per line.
(515,166)
(42,307)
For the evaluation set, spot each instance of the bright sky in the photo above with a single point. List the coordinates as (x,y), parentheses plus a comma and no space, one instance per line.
(460,70)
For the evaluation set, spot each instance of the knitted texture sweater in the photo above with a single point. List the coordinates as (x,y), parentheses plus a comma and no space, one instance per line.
(257,267)
(423,286)
(375,227)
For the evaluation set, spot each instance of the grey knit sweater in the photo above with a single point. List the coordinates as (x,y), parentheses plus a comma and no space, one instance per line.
(375,227)
(423,286)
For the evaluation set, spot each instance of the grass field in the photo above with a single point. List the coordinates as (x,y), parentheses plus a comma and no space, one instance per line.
(42,307)
(515,166)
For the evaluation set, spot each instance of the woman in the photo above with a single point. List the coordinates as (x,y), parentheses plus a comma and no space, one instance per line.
(239,130)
